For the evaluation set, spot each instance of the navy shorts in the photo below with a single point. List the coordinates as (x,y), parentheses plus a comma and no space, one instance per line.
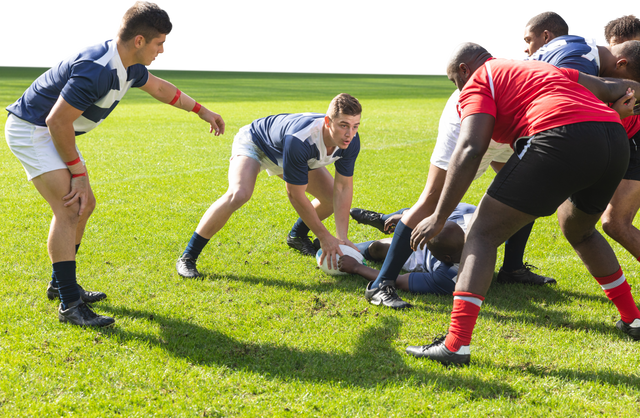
(430,283)
(583,162)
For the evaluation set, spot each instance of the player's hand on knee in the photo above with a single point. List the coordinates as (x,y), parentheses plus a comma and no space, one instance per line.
(424,231)
(79,193)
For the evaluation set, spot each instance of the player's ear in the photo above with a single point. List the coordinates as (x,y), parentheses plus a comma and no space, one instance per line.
(621,63)
(327,121)
(139,41)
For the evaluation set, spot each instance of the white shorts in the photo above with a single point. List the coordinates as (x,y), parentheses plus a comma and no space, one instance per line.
(33,146)
(244,145)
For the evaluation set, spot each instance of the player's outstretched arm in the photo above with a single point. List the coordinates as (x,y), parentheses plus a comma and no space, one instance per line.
(475,136)
(609,90)
(166,92)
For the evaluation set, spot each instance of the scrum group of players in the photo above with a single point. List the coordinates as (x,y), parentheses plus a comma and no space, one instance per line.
(559,129)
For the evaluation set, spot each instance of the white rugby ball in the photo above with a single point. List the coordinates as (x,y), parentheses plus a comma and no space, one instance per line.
(346,250)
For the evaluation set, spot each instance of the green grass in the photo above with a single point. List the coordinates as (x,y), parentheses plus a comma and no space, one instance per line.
(265,333)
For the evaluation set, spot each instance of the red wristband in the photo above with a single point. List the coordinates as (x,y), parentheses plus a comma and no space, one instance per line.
(74,162)
(177,96)
(73,176)
(196,108)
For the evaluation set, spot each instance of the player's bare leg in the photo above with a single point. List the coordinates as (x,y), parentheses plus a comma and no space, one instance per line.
(617,219)
(63,234)
(594,251)
(599,258)
(493,223)
(243,172)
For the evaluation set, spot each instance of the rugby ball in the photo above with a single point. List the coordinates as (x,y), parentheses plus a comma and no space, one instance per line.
(346,250)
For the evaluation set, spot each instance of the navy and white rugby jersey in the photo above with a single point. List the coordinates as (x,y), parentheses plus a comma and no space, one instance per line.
(570,52)
(93,81)
(295,143)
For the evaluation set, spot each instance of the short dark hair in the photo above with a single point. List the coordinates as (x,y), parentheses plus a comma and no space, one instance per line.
(146,19)
(549,21)
(631,51)
(346,104)
(623,28)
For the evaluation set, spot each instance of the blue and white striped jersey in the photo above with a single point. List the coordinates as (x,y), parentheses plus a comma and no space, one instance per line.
(93,81)
(570,52)
(295,143)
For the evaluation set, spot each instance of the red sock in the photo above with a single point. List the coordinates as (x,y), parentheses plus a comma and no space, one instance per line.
(618,291)
(466,307)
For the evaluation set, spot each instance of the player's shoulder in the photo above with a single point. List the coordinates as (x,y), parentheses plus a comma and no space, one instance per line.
(96,61)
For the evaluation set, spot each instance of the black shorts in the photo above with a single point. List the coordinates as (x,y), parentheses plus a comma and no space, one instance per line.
(633,172)
(583,162)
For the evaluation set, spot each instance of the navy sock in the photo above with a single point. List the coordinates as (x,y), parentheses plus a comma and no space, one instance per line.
(399,212)
(195,246)
(54,282)
(398,254)
(363,247)
(300,229)
(65,272)
(514,249)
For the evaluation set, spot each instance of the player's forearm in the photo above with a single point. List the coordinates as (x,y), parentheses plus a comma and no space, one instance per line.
(367,272)
(166,92)
(64,138)
(342,199)
(307,212)
(475,135)
(608,89)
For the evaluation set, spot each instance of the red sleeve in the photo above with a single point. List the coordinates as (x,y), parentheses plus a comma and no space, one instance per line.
(477,95)
(571,73)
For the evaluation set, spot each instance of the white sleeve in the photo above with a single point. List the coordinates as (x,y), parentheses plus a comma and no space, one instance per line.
(448,133)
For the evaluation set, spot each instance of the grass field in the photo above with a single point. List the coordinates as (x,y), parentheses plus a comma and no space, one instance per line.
(266,333)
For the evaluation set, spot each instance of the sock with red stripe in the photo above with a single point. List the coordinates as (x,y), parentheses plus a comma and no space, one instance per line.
(618,291)
(466,307)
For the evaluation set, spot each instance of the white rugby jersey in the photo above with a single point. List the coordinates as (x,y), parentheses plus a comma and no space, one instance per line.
(295,143)
(448,133)
(94,81)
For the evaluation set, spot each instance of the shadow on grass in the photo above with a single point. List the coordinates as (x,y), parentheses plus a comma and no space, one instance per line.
(372,362)
(544,306)
(538,305)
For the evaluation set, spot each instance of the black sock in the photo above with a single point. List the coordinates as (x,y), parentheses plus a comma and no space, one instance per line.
(195,246)
(300,229)
(54,282)
(65,272)
(514,249)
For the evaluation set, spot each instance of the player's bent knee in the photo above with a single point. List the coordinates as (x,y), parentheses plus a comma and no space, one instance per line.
(237,198)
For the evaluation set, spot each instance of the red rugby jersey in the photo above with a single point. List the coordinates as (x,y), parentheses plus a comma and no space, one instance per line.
(527,97)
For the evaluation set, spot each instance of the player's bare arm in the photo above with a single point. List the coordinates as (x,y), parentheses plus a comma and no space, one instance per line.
(609,90)
(60,124)
(330,244)
(426,204)
(166,92)
(475,136)
(342,198)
